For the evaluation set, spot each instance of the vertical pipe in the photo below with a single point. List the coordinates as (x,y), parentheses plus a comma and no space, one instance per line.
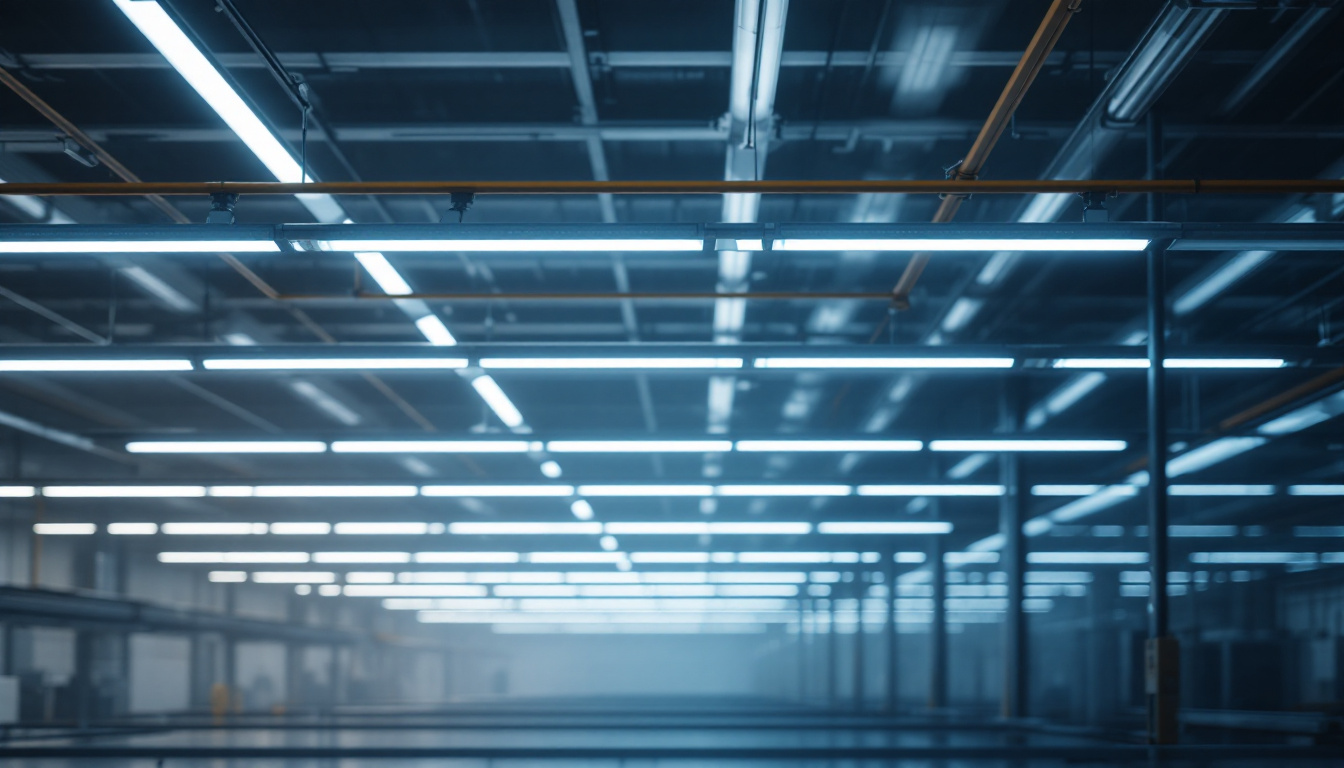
(802,644)
(860,588)
(1162,679)
(1154,151)
(893,682)
(938,631)
(1013,559)
(832,661)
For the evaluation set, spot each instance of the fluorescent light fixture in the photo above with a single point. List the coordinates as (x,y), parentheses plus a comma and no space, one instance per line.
(551,469)
(608,543)
(1059,577)
(1316,490)
(639,446)
(123,491)
(826,446)
(960,244)
(227,577)
(93,366)
(227,446)
(213,529)
(361,557)
(1027,445)
(500,491)
(334,491)
(300,529)
(1205,290)
(160,289)
(467,557)
(381,529)
(1101,362)
(540,590)
(609,363)
(783,490)
(1212,453)
(132,529)
(429,446)
(17,491)
(646,490)
(797,557)
(498,529)
(414,590)
(970,558)
(881,363)
(434,331)
(1064,490)
(324,402)
(582,509)
(333,364)
(233,557)
(1171,362)
(669,557)
(370,577)
(1306,416)
(713,528)
(1202,531)
(930,490)
(293,577)
(138,246)
(328,590)
(499,402)
(516,245)
(1105,498)
(1087,558)
(65,529)
(1253,558)
(575,557)
(878,528)
(383,273)
(1220,490)
(1314,531)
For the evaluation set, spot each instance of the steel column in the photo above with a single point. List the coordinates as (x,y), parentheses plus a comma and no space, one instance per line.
(938,630)
(860,584)
(1013,559)
(832,651)
(1162,679)
(893,682)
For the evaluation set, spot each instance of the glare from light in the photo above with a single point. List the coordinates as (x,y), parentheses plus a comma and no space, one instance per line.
(500,491)
(429,446)
(1087,558)
(334,491)
(123,491)
(1064,490)
(65,529)
(783,490)
(582,509)
(961,244)
(514,245)
(300,529)
(329,590)
(1171,362)
(826,446)
(435,332)
(881,528)
(132,529)
(227,446)
(383,273)
(138,246)
(233,557)
(382,529)
(669,557)
(609,363)
(551,469)
(514,529)
(332,363)
(608,543)
(361,557)
(17,491)
(93,366)
(710,528)
(930,490)
(881,363)
(213,529)
(467,557)
(499,402)
(370,577)
(227,577)
(1212,453)
(638,446)
(1221,490)
(1027,445)
(1101,362)
(575,557)
(293,577)
(646,490)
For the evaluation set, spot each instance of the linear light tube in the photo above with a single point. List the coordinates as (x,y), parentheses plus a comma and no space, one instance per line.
(1253,558)
(797,557)
(783,490)
(646,490)
(467,557)
(1221,490)
(496,529)
(213,529)
(1312,531)
(293,577)
(227,446)
(1316,490)
(434,331)
(822,446)
(370,577)
(414,590)
(300,529)
(123,491)
(138,246)
(518,491)
(429,446)
(515,245)
(669,557)
(575,557)
(1171,362)
(860,363)
(1212,453)
(1087,558)
(698,528)
(378,529)
(885,528)
(17,491)
(227,577)
(383,273)
(551,469)
(960,244)
(1064,490)
(609,363)
(582,509)
(1202,531)
(92,366)
(361,557)
(132,529)
(929,490)
(65,529)
(233,557)
(639,446)
(334,491)
(499,402)
(540,590)
(333,363)
(1027,445)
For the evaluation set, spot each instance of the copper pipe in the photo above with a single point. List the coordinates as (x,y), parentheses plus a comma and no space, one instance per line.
(644,296)
(709,187)
(1033,59)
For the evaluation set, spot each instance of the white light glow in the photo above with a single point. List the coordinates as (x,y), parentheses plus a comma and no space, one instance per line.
(1221,490)
(576,557)
(783,490)
(132,529)
(582,509)
(1087,558)
(233,557)
(300,529)
(1212,453)
(499,402)
(293,577)
(930,490)
(825,446)
(361,557)
(382,529)
(507,529)
(1253,558)
(669,557)
(961,244)
(713,528)
(414,590)
(1064,490)
(880,363)
(1171,362)
(17,491)
(123,491)
(65,529)
(551,469)
(1027,445)
(467,557)
(228,446)
(638,446)
(513,245)
(880,528)
(227,577)
(646,490)
(609,363)
(501,491)
(334,364)
(429,446)
(213,529)
(138,246)
(1316,490)
(93,366)
(334,491)
(435,332)
(384,274)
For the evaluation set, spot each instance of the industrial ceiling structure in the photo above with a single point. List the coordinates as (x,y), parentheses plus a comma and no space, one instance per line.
(603,354)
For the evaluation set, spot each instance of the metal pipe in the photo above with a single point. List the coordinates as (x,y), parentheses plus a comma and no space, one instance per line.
(1012,515)
(1162,683)
(640,296)
(859,590)
(893,686)
(704,187)
(938,633)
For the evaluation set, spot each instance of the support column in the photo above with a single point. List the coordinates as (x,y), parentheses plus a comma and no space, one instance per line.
(1162,657)
(1012,514)
(802,643)
(860,587)
(832,650)
(893,682)
(938,630)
